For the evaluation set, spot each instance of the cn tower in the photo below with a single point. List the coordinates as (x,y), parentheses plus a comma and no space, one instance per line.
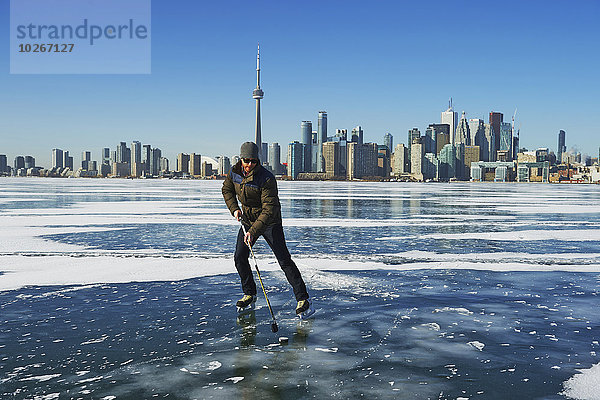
(258,94)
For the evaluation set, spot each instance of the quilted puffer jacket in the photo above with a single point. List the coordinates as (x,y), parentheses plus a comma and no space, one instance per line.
(257,192)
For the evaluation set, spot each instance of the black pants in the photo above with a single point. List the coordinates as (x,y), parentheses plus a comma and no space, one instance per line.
(276,240)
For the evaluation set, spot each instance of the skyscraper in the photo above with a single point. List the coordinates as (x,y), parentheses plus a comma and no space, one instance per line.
(495,121)
(86,157)
(561,146)
(506,138)
(306,132)
(471,156)
(413,134)
(306,128)
(164,164)
(67,160)
(136,152)
(155,156)
(224,165)
(3,163)
(105,155)
(29,162)
(314,156)
(331,157)
(431,167)
(122,153)
(449,117)
(341,135)
(477,131)
(321,139)
(19,162)
(430,140)
(447,162)
(443,139)
(195,164)
(488,145)
(459,172)
(322,127)
(357,135)
(515,147)
(400,157)
(416,159)
(362,160)
(264,151)
(436,137)
(388,140)
(383,161)
(462,133)
(258,94)
(57,158)
(183,163)
(146,149)
(295,159)
(275,157)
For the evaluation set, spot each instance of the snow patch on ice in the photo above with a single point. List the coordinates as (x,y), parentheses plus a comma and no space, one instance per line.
(571,235)
(332,350)
(93,341)
(41,378)
(20,271)
(432,326)
(459,310)
(49,396)
(332,280)
(214,365)
(558,208)
(478,345)
(488,256)
(584,385)
(94,379)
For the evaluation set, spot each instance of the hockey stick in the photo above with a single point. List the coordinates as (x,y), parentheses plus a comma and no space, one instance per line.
(274,327)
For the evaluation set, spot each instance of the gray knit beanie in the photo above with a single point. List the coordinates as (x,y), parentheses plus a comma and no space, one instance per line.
(249,150)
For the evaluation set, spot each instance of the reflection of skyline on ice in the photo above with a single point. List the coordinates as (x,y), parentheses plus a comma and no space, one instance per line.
(397,269)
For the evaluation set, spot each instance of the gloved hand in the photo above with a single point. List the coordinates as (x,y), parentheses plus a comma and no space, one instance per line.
(237,215)
(248,239)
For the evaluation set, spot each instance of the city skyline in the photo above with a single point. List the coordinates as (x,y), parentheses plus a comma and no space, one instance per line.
(308,135)
(382,77)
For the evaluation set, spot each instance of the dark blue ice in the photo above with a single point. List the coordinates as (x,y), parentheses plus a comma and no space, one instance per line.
(391,333)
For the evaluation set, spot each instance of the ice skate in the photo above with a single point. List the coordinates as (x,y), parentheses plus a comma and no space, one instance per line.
(246,304)
(304,309)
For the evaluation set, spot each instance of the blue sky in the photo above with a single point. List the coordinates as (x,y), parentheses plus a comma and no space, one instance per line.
(388,66)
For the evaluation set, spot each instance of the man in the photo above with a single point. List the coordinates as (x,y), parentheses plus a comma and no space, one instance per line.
(256,189)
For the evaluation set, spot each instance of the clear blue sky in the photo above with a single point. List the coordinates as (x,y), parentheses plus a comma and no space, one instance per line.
(385,65)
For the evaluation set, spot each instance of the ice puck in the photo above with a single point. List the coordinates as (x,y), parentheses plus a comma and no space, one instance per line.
(283,340)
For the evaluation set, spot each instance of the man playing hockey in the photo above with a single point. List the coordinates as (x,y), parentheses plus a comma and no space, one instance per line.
(256,189)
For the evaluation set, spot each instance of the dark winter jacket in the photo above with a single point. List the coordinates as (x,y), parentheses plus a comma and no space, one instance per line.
(258,194)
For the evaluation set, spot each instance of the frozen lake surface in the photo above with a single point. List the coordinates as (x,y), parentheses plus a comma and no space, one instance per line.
(126,289)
